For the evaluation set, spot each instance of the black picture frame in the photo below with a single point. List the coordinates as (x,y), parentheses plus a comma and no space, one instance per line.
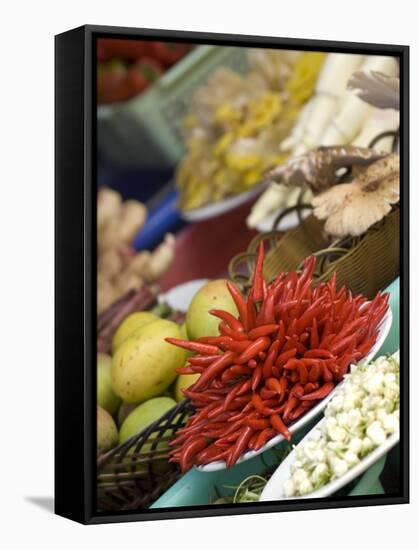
(75,271)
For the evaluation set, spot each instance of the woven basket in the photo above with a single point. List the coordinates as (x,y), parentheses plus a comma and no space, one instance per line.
(133,475)
(364,264)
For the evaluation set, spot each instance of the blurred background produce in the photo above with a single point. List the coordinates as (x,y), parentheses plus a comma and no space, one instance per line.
(193,145)
(120,268)
(235,124)
(128,67)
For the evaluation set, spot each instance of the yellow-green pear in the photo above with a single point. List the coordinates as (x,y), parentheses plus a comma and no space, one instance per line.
(107,433)
(144,415)
(213,295)
(144,365)
(183,381)
(106,397)
(129,325)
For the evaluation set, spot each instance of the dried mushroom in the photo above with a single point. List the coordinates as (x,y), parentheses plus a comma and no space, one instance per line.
(352,208)
(318,168)
(376,88)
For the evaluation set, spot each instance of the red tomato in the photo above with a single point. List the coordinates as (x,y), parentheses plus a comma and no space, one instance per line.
(113,83)
(168,52)
(128,49)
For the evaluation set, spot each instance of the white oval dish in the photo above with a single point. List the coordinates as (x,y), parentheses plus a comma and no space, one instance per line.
(274,489)
(179,297)
(290,221)
(384,329)
(217,208)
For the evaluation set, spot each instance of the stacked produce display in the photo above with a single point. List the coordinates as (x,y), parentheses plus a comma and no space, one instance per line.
(274,378)
(286,350)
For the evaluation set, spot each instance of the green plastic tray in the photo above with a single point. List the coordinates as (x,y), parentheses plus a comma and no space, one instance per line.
(200,488)
(144,131)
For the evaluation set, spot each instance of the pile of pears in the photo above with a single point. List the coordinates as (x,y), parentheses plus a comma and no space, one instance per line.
(139,382)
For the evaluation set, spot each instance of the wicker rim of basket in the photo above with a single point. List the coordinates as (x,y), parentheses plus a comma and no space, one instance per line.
(338,247)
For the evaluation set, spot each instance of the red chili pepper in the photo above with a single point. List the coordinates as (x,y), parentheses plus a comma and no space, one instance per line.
(216,368)
(314,335)
(260,405)
(255,347)
(245,387)
(294,376)
(310,386)
(274,385)
(289,406)
(320,393)
(280,427)
(263,437)
(290,344)
(235,371)
(322,353)
(240,303)
(343,344)
(257,286)
(239,447)
(325,373)
(297,390)
(284,357)
(276,371)
(263,330)
(252,363)
(292,364)
(267,313)
(202,360)
(300,410)
(310,361)
(302,369)
(231,395)
(231,321)
(272,355)
(189,450)
(188,370)
(364,348)
(234,334)
(210,454)
(281,334)
(314,373)
(204,349)
(234,345)
(267,394)
(292,328)
(251,311)
(308,316)
(262,355)
(258,423)
(256,377)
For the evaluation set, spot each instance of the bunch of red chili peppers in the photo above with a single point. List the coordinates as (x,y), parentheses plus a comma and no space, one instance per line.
(289,347)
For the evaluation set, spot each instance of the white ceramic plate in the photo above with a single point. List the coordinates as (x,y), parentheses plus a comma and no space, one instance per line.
(217,208)
(179,297)
(274,489)
(290,221)
(384,329)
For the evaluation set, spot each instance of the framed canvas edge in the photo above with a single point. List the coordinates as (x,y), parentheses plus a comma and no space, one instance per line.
(87,448)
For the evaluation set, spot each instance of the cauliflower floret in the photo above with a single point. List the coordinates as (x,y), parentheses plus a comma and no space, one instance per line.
(299,476)
(391,423)
(289,488)
(350,458)
(320,473)
(367,446)
(355,445)
(305,487)
(338,466)
(376,433)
